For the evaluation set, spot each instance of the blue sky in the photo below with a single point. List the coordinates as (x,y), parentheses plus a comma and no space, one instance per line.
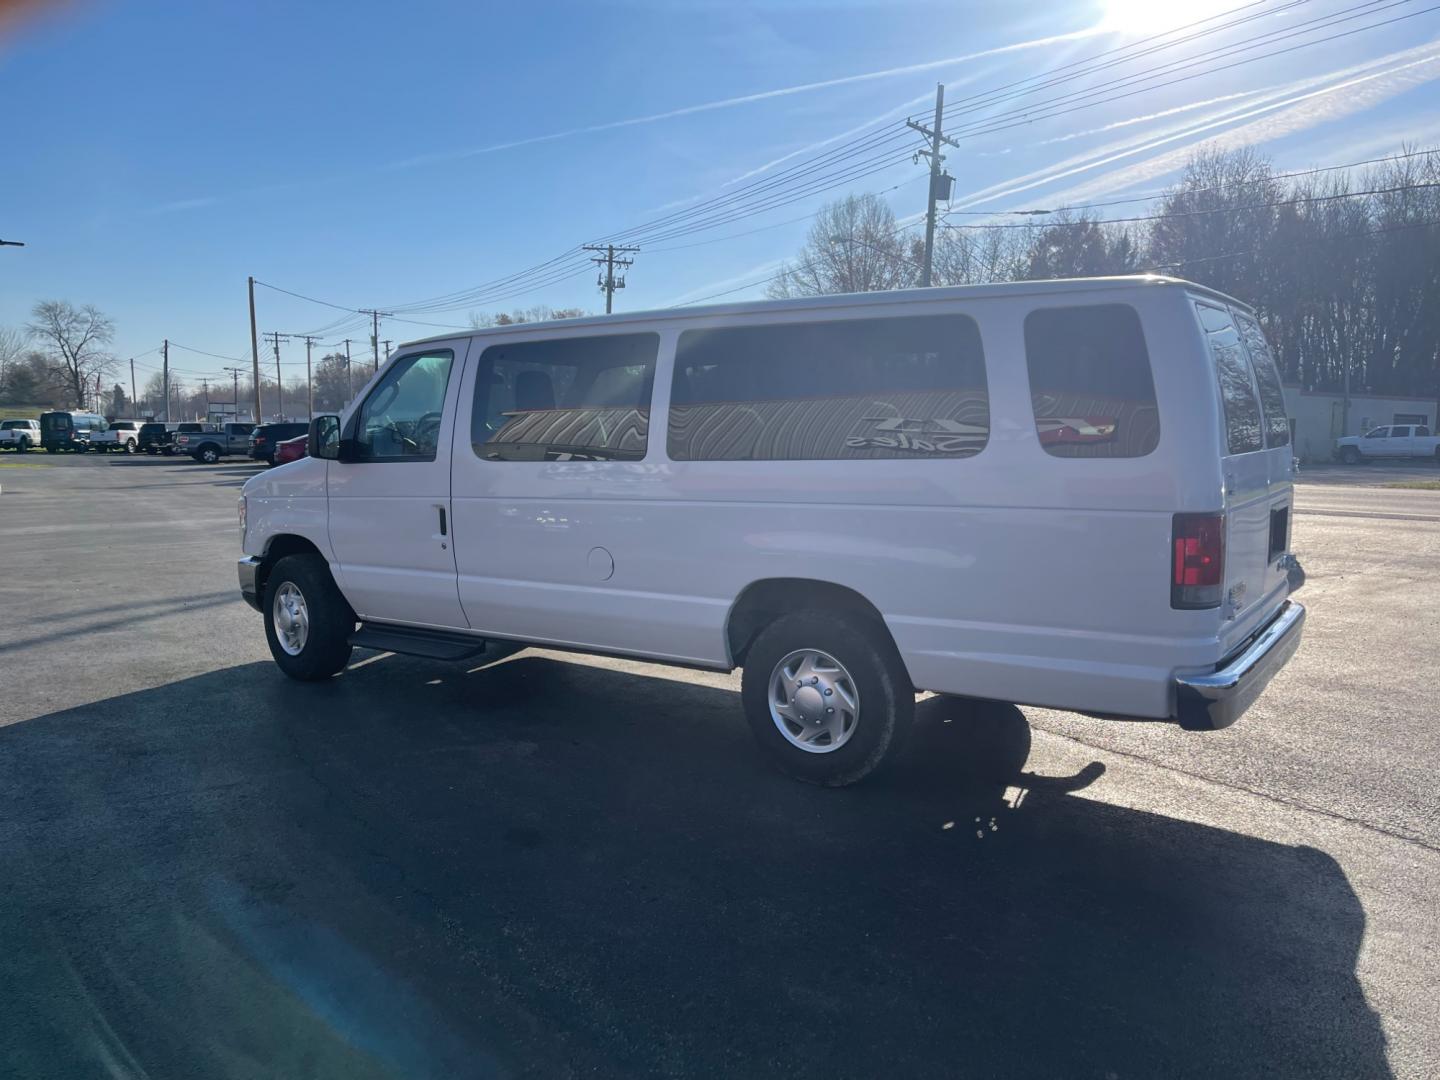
(159,153)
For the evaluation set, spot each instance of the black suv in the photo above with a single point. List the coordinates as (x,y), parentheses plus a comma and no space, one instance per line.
(266,437)
(154,437)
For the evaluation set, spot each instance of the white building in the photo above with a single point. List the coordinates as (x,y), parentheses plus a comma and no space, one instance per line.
(1317,417)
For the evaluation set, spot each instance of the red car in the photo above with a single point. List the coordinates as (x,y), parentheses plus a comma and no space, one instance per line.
(291,449)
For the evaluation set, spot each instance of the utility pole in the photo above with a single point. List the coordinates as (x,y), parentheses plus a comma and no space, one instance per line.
(349,382)
(940,182)
(1345,410)
(309,380)
(387,350)
(275,338)
(375,317)
(254,354)
(165,377)
(205,385)
(234,391)
(607,280)
(135,405)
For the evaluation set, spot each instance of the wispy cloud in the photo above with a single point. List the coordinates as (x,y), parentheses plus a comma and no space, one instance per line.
(1296,107)
(760,270)
(746,99)
(1132,121)
(183,204)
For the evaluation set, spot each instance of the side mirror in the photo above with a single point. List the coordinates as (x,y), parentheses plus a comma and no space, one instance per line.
(324,440)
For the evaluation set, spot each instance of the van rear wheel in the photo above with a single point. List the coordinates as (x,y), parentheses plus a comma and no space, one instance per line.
(826,696)
(307,621)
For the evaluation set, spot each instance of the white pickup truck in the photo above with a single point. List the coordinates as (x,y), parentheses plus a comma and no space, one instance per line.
(122,435)
(1390,441)
(19,435)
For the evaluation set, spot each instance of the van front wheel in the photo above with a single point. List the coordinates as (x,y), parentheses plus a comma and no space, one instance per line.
(827,696)
(307,621)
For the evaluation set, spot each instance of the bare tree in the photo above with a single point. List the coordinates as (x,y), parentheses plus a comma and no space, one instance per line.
(12,347)
(538,313)
(854,246)
(76,338)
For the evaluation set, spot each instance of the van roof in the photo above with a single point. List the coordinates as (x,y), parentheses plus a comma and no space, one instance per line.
(1060,286)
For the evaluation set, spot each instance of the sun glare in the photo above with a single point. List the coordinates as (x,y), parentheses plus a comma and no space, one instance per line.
(1140,17)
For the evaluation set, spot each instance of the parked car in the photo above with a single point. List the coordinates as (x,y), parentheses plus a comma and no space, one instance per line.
(65,430)
(184,428)
(1391,441)
(265,438)
(291,449)
(19,435)
(1071,494)
(121,435)
(214,441)
(154,437)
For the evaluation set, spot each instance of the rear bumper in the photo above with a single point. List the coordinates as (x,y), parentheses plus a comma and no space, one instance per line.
(1216,699)
(249,571)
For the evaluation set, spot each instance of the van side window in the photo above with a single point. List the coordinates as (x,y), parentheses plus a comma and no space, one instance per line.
(568,399)
(1232,371)
(1090,383)
(851,389)
(400,420)
(1267,378)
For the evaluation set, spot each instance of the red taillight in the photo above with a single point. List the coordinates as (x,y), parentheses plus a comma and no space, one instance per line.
(1197,557)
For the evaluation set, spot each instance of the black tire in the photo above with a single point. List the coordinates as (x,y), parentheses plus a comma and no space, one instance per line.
(326,650)
(24,445)
(1349,455)
(50,449)
(208,455)
(886,698)
(129,446)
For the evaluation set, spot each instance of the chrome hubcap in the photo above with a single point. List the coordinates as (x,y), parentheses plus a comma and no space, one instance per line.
(813,701)
(291,617)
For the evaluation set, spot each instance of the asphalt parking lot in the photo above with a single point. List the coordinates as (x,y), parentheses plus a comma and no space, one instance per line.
(553,866)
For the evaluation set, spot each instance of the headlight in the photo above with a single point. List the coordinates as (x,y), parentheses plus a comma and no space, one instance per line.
(241,509)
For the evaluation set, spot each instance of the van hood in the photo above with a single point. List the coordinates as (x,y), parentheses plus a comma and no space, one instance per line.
(300,479)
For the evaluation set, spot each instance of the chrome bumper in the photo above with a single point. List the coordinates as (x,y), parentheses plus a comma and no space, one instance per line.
(249,570)
(1217,699)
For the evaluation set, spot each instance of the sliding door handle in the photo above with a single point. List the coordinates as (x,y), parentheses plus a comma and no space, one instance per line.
(443,524)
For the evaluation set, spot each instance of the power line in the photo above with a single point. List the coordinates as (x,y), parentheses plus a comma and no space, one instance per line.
(1198,213)
(1192,191)
(1025,116)
(1181,263)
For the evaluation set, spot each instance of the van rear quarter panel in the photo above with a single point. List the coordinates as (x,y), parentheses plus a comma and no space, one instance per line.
(1012,574)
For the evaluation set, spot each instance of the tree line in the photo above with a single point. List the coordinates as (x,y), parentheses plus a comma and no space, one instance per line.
(1344,270)
(62,359)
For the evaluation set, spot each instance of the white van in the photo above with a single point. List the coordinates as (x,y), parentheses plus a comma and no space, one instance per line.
(1073,494)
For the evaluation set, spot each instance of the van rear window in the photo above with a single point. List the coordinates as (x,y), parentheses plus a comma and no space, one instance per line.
(1243,422)
(851,389)
(1090,382)
(1267,378)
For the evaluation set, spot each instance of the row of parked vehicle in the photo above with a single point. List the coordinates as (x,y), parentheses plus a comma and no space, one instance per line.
(81,432)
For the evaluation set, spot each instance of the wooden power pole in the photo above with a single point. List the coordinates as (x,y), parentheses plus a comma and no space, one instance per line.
(940,182)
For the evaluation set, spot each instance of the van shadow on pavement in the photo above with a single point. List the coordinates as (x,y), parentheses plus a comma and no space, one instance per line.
(550,869)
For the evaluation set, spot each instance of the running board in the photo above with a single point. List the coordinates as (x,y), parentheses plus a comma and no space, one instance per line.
(417,641)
